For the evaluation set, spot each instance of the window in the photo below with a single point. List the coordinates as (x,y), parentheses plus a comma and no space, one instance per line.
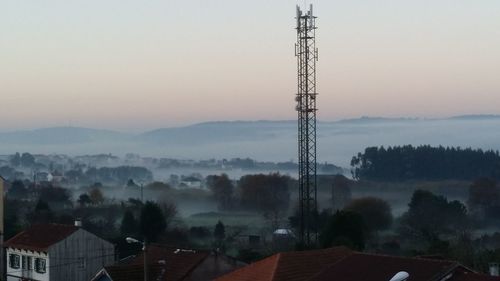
(29,263)
(14,261)
(23,262)
(40,265)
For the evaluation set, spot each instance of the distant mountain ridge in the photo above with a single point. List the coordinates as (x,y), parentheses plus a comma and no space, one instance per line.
(263,140)
(89,132)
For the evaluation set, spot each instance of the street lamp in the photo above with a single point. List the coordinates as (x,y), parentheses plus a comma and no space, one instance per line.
(131,240)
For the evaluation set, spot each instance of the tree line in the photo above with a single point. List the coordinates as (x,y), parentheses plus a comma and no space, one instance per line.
(425,163)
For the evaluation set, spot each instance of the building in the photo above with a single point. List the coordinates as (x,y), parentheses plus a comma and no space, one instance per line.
(342,264)
(190,182)
(56,252)
(172,264)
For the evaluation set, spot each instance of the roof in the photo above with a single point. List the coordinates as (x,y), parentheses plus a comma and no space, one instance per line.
(465,275)
(359,266)
(132,272)
(341,264)
(289,266)
(191,179)
(175,263)
(283,231)
(40,237)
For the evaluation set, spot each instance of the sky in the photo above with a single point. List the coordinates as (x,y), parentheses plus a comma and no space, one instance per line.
(137,65)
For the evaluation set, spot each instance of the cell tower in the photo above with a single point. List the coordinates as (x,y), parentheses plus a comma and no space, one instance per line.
(307,55)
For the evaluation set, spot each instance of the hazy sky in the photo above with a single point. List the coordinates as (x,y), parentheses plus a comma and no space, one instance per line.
(136,65)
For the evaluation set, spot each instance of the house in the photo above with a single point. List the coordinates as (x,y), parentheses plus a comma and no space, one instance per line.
(56,252)
(190,182)
(56,177)
(42,177)
(283,239)
(342,264)
(170,263)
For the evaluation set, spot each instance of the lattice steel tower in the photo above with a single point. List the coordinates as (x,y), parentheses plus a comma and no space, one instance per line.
(307,55)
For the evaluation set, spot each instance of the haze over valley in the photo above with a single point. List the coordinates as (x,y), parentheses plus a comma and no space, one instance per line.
(260,140)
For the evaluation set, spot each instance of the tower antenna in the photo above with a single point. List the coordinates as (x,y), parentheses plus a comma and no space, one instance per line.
(307,55)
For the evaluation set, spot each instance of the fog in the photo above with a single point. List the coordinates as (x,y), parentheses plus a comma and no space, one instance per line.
(261,140)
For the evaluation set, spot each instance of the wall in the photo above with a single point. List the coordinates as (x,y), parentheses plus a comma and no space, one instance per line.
(11,272)
(80,256)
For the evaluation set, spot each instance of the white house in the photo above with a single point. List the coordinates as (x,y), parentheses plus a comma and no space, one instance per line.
(190,182)
(56,252)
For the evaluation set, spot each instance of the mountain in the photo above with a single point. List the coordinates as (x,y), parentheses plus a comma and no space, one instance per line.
(262,140)
(476,117)
(226,131)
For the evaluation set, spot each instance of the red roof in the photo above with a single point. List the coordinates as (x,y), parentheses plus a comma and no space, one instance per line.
(175,264)
(465,275)
(288,266)
(133,272)
(341,264)
(40,237)
(359,266)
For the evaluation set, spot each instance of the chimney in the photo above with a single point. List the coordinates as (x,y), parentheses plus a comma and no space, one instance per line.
(78,223)
(494,269)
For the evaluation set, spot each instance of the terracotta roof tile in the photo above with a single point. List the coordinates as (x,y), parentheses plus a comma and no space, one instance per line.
(40,237)
(466,275)
(370,267)
(178,264)
(133,272)
(288,266)
(341,264)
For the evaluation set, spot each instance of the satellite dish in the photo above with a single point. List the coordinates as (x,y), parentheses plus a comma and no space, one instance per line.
(400,276)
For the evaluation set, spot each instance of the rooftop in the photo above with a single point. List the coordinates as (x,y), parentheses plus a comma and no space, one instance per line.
(341,264)
(165,263)
(289,266)
(40,237)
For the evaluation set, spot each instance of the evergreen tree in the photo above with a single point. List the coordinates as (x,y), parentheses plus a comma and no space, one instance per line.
(152,222)
(129,225)
(219,231)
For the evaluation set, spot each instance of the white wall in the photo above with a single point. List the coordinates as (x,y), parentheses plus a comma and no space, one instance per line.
(31,273)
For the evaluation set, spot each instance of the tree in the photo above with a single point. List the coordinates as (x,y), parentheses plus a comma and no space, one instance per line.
(129,225)
(344,228)
(219,231)
(265,192)
(169,211)
(222,189)
(84,199)
(430,215)
(152,222)
(131,183)
(483,194)
(55,195)
(199,232)
(27,160)
(268,194)
(425,163)
(341,192)
(376,213)
(9,172)
(96,196)
(18,190)
(41,214)
(15,160)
